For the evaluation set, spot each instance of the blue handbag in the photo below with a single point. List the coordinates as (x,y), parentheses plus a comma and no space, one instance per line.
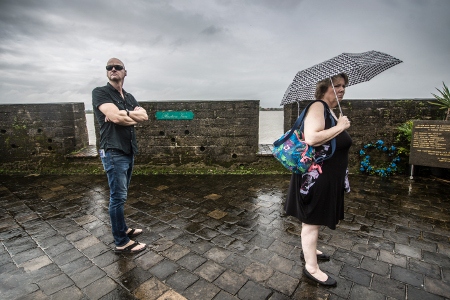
(292,151)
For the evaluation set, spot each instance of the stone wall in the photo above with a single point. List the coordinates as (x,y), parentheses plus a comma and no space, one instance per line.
(221,132)
(31,132)
(372,120)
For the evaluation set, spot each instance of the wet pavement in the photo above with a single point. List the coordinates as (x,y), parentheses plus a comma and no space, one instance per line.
(219,237)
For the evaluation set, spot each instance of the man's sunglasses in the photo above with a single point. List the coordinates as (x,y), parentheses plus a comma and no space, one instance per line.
(117,67)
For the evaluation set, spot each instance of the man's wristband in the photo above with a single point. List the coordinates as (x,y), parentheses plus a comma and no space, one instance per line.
(128,112)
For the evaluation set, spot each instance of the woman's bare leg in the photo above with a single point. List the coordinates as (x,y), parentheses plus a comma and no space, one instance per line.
(310,235)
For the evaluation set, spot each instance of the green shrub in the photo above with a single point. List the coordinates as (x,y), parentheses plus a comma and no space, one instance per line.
(403,138)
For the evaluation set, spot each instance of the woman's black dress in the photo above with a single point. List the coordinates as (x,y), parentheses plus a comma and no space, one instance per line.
(318,198)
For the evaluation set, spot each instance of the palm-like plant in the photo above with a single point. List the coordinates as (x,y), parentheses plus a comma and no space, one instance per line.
(443,100)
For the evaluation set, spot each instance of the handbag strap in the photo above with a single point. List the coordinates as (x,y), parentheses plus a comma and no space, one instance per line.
(299,123)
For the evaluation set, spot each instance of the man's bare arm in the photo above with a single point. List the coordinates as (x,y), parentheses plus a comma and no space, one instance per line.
(113,114)
(139,114)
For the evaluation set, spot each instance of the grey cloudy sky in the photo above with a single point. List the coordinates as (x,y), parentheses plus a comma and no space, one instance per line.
(55,51)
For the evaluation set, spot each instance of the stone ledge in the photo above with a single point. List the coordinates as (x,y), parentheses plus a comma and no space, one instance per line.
(87,152)
(265,150)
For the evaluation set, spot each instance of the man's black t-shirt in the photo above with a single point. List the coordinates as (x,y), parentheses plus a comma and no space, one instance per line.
(114,136)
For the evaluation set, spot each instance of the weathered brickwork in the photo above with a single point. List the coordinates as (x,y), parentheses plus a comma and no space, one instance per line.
(36,131)
(220,132)
(372,120)
(223,132)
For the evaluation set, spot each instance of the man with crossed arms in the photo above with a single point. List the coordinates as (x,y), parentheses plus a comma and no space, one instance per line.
(117,112)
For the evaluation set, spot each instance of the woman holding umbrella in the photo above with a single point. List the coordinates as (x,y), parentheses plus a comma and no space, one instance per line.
(316,197)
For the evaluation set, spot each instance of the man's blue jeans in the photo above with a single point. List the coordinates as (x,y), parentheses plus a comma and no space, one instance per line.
(118,167)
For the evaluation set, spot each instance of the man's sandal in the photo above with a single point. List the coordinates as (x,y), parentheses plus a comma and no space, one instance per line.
(130,248)
(132,233)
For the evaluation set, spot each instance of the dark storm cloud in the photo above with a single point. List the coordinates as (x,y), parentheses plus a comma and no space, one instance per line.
(211,30)
(55,50)
(277,5)
(123,21)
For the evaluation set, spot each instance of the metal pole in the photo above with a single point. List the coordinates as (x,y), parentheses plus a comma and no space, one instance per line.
(340,109)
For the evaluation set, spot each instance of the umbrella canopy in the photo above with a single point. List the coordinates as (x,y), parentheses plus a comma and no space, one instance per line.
(359,67)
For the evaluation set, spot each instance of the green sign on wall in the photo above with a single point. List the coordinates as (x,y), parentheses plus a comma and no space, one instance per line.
(174,115)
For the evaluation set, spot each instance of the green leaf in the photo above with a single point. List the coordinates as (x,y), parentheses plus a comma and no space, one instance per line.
(443,100)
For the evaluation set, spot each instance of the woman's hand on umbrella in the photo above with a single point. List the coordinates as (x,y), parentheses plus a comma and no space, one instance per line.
(343,122)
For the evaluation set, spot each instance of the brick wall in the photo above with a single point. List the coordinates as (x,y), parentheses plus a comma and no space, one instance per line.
(223,132)
(35,131)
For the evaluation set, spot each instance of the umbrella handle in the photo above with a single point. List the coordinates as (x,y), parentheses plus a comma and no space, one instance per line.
(340,109)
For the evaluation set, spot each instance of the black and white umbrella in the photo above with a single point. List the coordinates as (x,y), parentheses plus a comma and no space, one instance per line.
(359,67)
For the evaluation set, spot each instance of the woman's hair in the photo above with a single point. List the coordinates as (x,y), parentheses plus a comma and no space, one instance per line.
(323,85)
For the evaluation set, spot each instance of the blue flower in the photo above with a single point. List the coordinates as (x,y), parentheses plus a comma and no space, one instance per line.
(365,166)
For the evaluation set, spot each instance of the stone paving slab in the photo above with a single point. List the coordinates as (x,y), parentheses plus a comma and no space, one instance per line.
(220,237)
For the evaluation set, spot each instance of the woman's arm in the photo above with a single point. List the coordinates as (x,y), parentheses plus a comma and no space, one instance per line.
(314,129)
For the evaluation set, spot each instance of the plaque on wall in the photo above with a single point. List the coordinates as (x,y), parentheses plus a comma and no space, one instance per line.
(430,144)
(174,115)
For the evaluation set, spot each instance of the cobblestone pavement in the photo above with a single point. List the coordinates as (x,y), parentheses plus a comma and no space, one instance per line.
(219,237)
